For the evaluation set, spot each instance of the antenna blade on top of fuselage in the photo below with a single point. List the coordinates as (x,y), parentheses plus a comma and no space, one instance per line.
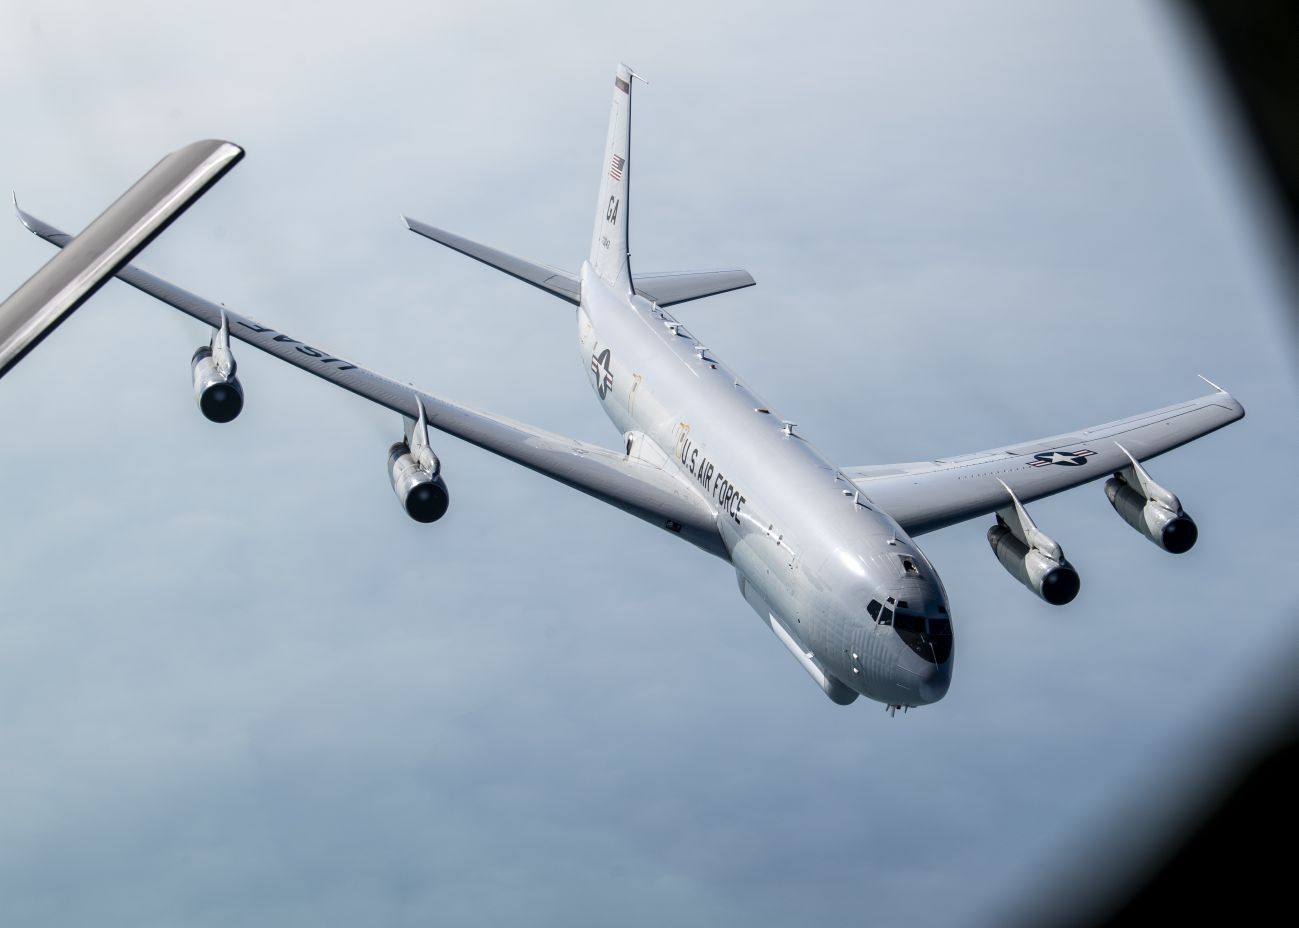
(74,274)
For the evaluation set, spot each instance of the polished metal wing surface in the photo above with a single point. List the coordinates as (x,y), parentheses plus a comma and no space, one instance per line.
(133,220)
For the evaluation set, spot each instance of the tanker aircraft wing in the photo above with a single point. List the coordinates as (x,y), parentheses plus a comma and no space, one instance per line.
(927,495)
(135,219)
(635,485)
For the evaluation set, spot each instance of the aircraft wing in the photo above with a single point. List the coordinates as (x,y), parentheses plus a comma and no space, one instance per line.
(644,490)
(137,217)
(929,495)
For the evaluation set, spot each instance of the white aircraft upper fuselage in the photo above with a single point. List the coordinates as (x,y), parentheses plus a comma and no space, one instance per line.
(810,553)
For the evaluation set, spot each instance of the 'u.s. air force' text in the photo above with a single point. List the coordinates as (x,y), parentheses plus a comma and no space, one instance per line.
(714,482)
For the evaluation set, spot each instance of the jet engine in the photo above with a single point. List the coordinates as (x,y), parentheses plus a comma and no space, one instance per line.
(1031,557)
(1150,509)
(216,388)
(416,474)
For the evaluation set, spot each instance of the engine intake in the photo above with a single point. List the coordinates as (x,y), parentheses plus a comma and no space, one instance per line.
(1150,509)
(1031,557)
(423,495)
(216,388)
(415,474)
(1057,582)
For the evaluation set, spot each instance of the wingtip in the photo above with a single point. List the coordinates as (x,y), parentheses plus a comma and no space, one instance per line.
(25,219)
(1225,399)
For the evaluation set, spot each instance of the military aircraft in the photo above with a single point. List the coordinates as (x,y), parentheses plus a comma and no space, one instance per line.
(824,554)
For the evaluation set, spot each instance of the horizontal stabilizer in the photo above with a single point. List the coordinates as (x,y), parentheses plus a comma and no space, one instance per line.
(638,487)
(667,289)
(555,282)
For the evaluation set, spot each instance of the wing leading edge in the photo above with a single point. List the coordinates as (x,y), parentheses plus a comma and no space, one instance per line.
(928,495)
(642,490)
(137,217)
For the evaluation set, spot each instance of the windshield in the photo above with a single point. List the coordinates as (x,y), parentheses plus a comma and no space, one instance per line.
(933,643)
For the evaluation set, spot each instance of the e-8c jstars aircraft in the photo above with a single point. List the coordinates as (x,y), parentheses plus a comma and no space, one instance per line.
(824,554)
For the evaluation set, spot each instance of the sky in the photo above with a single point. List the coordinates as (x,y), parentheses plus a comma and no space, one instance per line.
(241,686)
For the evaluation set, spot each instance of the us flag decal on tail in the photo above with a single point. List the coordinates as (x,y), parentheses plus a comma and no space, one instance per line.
(615,167)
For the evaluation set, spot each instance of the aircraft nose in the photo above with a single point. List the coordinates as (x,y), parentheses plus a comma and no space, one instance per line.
(934,686)
(925,682)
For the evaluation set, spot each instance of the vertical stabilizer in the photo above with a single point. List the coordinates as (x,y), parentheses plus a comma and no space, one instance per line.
(609,254)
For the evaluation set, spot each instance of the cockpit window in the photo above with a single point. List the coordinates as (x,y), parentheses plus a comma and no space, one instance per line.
(886,616)
(914,624)
(874,609)
(934,644)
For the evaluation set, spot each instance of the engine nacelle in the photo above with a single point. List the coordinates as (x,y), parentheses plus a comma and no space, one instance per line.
(1150,509)
(1174,531)
(420,488)
(1030,556)
(220,397)
(416,473)
(1054,580)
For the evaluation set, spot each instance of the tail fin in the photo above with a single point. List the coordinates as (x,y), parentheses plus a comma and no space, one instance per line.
(610,257)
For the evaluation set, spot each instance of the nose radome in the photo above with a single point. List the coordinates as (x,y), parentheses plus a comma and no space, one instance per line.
(926,682)
(934,687)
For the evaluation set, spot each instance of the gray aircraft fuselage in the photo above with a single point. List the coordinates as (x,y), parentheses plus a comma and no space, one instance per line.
(811,555)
